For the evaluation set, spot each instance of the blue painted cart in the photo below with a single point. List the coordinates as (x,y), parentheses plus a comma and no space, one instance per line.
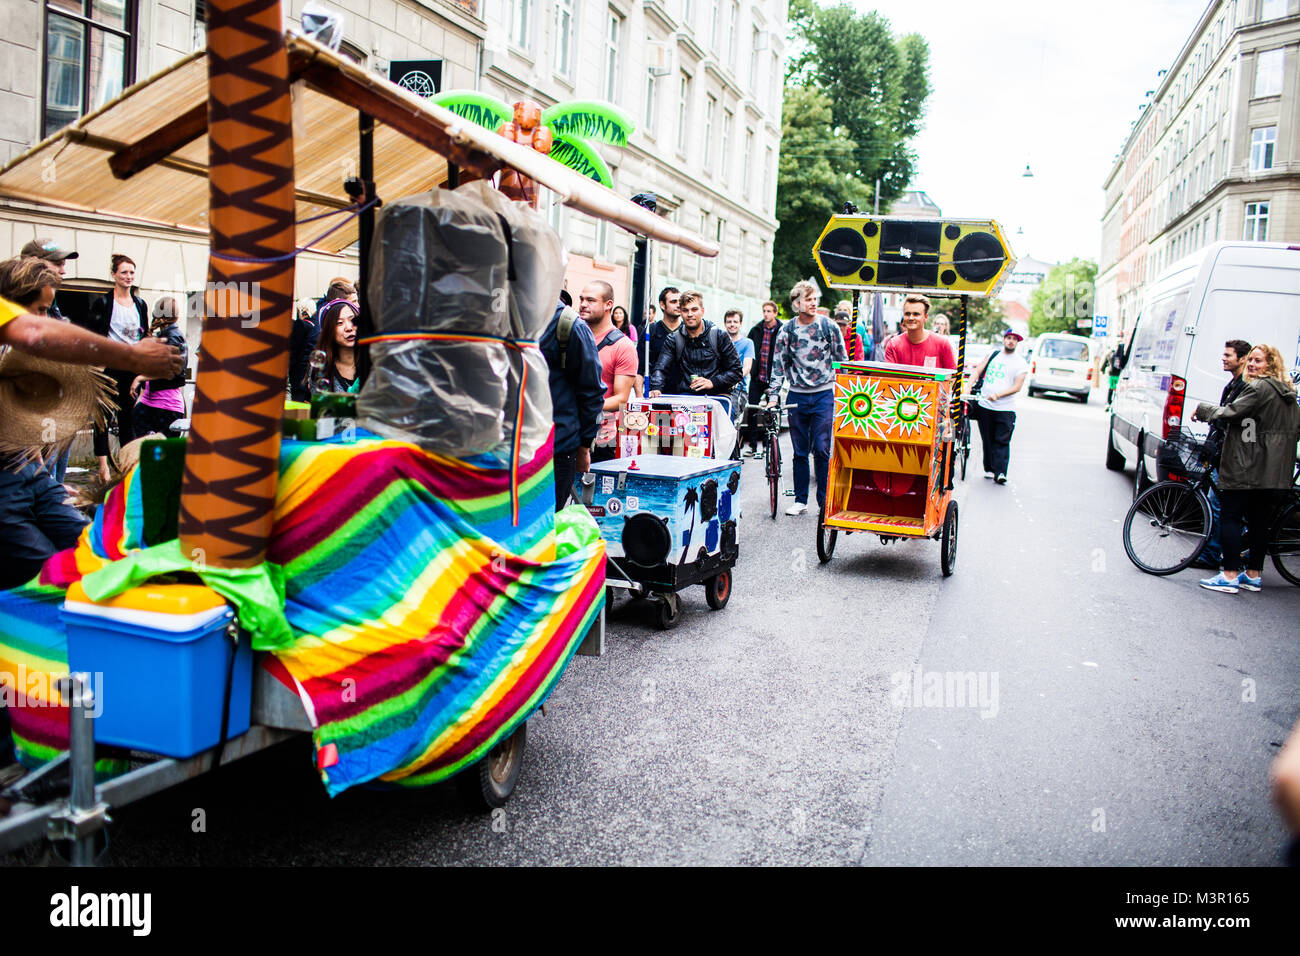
(669,523)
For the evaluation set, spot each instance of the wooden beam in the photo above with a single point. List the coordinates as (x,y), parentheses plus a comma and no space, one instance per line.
(329,81)
(161,143)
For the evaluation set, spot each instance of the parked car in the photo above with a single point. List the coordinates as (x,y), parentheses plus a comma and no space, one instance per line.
(1229,290)
(1062,363)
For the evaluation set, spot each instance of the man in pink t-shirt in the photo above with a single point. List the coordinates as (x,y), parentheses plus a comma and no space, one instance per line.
(618,361)
(914,345)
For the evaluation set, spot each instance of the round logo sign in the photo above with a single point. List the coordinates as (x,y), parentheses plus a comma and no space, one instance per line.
(613,506)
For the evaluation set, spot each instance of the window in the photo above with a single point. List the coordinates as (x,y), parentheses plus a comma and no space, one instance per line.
(1262,141)
(1272,9)
(612,56)
(733,14)
(753,61)
(564,38)
(1218,215)
(1268,73)
(683,113)
(774,87)
(715,23)
(710,110)
(1209,169)
(555,211)
(747,163)
(89,57)
(767,178)
(521,24)
(1256,222)
(721,235)
(724,154)
(1225,158)
(651,103)
(602,239)
(701,263)
(688,13)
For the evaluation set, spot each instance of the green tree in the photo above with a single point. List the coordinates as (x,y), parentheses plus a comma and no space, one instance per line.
(1065,296)
(811,185)
(985,319)
(854,98)
(877,84)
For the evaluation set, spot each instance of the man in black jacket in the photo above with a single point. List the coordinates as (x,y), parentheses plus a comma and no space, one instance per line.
(577,395)
(698,355)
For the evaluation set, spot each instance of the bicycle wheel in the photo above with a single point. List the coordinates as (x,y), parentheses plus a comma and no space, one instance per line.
(965,445)
(1284,546)
(774,471)
(1166,527)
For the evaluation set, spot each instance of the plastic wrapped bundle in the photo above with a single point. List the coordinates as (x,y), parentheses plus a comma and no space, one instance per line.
(446,397)
(537,260)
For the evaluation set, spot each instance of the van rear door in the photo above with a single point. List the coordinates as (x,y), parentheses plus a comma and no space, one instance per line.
(1253,294)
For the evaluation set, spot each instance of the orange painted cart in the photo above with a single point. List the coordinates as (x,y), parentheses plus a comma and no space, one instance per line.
(892,455)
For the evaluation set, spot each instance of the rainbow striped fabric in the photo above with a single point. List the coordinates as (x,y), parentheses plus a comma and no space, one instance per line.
(428,625)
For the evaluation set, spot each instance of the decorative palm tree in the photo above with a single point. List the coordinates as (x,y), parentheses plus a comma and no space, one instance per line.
(688,507)
(569,125)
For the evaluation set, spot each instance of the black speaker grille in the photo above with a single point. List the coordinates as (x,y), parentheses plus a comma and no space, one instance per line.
(843,251)
(646,540)
(978,257)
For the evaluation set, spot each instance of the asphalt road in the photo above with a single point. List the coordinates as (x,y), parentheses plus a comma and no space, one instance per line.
(1115,718)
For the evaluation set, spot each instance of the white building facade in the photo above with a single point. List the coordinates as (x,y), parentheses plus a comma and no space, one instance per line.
(701,80)
(1215,153)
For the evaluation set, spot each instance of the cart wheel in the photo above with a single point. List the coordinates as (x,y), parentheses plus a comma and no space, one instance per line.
(825,538)
(717,590)
(490,782)
(948,540)
(670,610)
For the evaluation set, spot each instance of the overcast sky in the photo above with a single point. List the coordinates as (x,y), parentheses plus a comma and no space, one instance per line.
(1050,84)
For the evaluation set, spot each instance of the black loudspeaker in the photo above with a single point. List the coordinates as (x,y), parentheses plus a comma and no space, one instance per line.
(646,539)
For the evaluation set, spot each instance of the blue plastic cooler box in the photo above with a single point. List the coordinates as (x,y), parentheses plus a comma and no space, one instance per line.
(159,655)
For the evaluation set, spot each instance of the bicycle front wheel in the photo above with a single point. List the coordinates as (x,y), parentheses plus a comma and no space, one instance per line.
(1285,545)
(774,472)
(1166,527)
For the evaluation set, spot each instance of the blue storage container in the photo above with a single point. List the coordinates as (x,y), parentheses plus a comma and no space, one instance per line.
(159,656)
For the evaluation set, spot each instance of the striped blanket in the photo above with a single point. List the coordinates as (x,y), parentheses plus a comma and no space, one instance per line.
(427,624)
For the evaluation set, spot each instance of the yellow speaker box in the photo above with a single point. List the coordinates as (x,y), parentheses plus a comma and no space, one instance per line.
(942,256)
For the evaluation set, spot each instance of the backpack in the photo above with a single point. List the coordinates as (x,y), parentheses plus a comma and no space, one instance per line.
(563,329)
(823,326)
(613,336)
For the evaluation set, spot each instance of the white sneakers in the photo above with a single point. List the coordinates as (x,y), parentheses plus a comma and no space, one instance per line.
(797,509)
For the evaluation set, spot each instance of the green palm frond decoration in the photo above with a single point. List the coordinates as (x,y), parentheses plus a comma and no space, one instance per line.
(479,108)
(589,119)
(582,158)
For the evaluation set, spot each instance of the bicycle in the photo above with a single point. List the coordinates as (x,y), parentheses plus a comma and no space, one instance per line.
(963,440)
(1170,522)
(771,423)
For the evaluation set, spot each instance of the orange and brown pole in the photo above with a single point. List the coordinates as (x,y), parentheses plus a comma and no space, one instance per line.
(232,461)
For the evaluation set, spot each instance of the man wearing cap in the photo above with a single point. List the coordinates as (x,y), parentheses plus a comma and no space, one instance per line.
(1004,375)
(55,255)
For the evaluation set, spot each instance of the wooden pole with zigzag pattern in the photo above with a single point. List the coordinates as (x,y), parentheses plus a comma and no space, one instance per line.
(232,460)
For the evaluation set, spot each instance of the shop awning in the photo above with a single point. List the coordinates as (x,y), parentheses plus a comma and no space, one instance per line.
(144,155)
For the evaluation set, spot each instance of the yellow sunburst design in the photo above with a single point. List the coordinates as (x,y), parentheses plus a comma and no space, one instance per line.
(859,406)
(909,409)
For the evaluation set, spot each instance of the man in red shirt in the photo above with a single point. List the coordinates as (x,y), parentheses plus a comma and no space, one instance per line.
(618,361)
(914,345)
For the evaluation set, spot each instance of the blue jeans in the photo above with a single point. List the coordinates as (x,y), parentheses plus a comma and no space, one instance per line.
(811,421)
(1211,553)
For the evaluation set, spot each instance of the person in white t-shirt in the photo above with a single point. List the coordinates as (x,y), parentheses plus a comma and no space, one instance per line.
(1004,376)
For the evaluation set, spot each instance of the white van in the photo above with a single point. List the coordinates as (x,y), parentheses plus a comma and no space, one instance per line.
(1062,363)
(1229,290)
